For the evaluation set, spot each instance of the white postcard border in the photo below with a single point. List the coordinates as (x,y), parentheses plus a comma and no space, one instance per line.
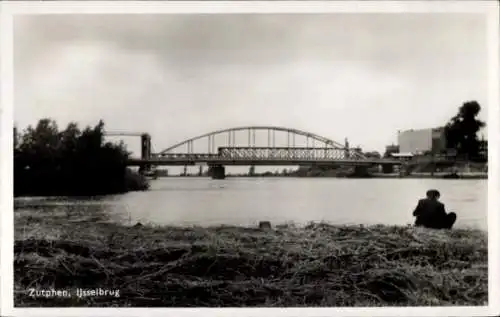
(10,9)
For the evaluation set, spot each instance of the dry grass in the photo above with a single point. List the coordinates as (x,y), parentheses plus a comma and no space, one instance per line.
(319,265)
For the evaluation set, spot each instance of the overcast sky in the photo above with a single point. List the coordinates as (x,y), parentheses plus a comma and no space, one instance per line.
(361,76)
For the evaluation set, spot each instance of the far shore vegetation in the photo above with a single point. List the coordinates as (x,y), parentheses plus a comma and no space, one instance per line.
(53,162)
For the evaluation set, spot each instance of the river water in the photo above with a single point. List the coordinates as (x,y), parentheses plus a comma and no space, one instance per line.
(246,201)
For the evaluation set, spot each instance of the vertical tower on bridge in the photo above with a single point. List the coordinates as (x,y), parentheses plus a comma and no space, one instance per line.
(145,152)
(145,146)
(346,148)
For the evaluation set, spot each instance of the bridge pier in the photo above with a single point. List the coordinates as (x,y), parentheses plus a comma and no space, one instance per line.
(360,171)
(217,172)
(404,170)
(387,168)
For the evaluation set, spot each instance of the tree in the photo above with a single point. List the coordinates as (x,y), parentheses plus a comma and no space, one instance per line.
(373,154)
(390,150)
(69,138)
(461,131)
(48,161)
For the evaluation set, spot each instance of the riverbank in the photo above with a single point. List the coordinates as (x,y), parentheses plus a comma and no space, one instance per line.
(316,265)
(434,175)
(375,175)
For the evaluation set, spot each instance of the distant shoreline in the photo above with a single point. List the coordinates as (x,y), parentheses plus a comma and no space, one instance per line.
(459,176)
(378,176)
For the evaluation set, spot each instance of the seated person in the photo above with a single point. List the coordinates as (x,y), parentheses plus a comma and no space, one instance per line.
(430,212)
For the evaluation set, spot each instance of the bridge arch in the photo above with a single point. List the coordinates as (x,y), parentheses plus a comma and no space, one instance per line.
(324,140)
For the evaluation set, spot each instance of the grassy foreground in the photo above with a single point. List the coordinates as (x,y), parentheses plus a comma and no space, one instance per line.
(319,265)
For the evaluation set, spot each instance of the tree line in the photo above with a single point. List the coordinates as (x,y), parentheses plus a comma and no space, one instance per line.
(49,161)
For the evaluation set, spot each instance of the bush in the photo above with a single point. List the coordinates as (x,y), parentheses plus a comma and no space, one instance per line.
(70,162)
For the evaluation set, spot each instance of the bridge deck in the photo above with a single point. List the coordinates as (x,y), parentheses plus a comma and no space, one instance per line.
(249,161)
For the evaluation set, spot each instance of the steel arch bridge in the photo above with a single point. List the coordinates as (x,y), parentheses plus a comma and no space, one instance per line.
(252,149)
(254,145)
(295,148)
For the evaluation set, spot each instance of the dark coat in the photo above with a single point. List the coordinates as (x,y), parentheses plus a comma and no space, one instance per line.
(430,213)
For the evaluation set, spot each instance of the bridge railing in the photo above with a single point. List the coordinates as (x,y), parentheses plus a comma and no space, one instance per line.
(192,156)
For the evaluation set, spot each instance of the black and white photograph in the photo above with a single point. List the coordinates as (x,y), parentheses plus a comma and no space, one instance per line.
(251,159)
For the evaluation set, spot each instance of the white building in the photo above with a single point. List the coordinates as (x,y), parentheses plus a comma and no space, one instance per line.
(422,141)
